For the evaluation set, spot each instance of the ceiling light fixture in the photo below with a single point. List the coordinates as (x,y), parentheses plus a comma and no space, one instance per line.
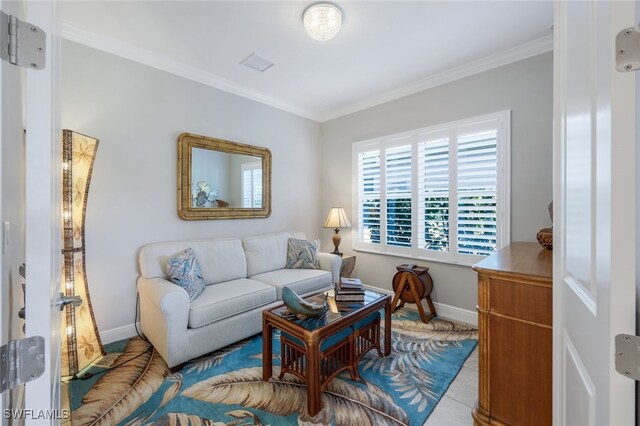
(322,21)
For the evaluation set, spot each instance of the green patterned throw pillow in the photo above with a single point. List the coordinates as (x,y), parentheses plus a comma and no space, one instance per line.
(302,254)
(184,270)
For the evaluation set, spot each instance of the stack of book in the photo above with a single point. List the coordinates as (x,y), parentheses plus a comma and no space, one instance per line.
(349,290)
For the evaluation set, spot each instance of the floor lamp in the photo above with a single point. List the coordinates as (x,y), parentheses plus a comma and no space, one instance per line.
(81,343)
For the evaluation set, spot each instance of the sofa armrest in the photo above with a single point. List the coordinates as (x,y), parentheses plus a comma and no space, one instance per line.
(164,315)
(332,263)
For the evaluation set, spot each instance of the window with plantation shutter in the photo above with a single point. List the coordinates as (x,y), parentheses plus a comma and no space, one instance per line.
(252,185)
(439,193)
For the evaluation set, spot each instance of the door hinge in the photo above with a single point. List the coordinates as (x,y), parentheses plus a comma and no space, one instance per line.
(21,43)
(21,361)
(628,49)
(628,355)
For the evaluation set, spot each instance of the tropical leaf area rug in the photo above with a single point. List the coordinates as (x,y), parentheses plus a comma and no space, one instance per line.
(226,386)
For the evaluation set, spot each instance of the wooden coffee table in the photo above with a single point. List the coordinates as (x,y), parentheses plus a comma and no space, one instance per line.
(305,339)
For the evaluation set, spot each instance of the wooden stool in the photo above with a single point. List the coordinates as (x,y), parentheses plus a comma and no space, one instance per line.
(411,284)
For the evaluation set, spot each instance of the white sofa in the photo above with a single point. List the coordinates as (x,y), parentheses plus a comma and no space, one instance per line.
(244,277)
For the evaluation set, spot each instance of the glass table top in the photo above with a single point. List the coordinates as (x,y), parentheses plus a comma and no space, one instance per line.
(336,311)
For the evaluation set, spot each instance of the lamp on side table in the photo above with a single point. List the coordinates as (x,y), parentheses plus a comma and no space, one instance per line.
(337,219)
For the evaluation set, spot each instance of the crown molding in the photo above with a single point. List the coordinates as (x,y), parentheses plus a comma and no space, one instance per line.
(126,50)
(514,54)
(129,51)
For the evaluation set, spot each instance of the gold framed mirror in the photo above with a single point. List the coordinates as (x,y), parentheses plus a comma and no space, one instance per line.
(219,179)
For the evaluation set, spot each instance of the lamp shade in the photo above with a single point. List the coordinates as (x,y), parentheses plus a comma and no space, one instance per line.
(337,219)
(81,344)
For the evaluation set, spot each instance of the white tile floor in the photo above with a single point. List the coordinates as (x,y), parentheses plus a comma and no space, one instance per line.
(454,409)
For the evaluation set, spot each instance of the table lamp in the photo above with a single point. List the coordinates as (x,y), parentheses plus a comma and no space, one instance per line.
(337,219)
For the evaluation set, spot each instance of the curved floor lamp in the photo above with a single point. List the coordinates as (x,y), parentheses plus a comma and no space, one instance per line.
(81,344)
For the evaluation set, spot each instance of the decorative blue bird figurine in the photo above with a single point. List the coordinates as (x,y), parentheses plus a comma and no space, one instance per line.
(300,307)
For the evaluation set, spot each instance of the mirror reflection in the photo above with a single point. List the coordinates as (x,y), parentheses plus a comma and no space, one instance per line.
(224,179)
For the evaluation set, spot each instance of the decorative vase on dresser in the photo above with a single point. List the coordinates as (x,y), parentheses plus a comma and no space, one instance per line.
(514,339)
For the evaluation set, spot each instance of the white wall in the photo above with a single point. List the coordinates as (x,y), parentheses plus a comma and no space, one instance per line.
(525,88)
(137,113)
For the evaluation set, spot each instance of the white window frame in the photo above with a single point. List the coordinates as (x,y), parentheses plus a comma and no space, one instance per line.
(503,206)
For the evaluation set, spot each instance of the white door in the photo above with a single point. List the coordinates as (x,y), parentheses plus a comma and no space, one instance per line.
(594,220)
(30,200)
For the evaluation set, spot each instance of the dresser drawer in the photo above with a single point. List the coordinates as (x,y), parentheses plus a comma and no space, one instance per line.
(529,302)
(519,372)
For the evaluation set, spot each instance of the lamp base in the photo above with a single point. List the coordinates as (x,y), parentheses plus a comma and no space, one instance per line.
(336,242)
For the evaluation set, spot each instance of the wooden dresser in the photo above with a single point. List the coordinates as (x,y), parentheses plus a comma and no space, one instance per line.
(514,340)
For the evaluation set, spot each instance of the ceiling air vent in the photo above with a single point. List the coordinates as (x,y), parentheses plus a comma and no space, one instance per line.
(257,63)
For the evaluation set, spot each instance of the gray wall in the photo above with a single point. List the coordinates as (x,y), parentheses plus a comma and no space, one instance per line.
(525,88)
(138,112)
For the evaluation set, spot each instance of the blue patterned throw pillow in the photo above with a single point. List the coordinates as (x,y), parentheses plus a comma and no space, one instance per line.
(302,254)
(184,270)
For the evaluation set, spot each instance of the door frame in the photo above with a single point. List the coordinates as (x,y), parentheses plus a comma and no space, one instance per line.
(43,217)
(4,323)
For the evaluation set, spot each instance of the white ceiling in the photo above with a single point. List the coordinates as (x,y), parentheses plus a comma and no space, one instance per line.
(383,49)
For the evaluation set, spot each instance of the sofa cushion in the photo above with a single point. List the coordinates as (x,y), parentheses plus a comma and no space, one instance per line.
(227,299)
(268,252)
(299,280)
(220,260)
(184,270)
(302,254)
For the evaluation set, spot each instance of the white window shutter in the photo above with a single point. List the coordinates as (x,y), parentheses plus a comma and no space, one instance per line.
(433,195)
(477,180)
(369,197)
(252,185)
(246,188)
(398,196)
(257,188)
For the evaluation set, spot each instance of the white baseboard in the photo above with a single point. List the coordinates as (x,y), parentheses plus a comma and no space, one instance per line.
(118,333)
(455,313)
(444,311)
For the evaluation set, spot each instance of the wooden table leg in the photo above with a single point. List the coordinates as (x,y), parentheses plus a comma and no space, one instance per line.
(396,297)
(267,354)
(314,387)
(387,327)
(432,308)
(416,297)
